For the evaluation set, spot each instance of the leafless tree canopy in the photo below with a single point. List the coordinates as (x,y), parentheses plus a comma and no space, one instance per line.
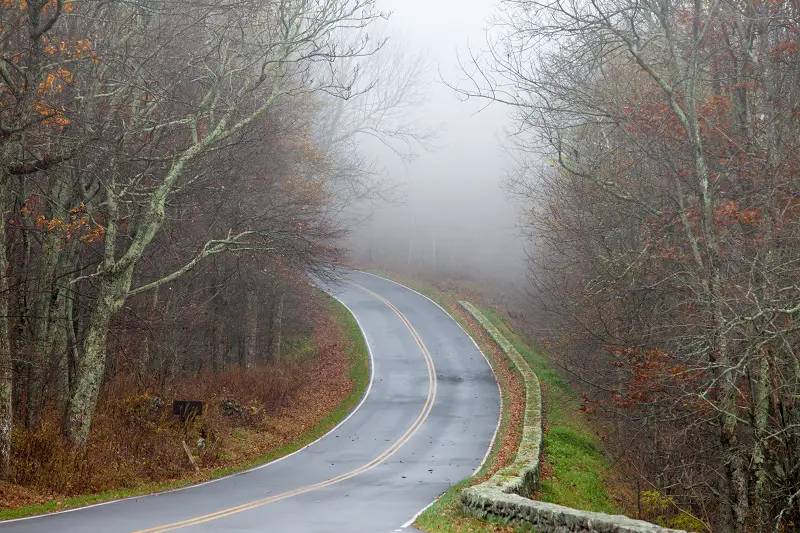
(161,163)
(657,148)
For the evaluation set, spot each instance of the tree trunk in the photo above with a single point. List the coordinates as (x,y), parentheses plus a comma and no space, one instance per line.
(49,295)
(251,335)
(219,343)
(6,370)
(72,350)
(733,484)
(61,364)
(25,343)
(220,346)
(758,459)
(735,479)
(57,348)
(91,366)
(144,358)
(277,327)
(33,407)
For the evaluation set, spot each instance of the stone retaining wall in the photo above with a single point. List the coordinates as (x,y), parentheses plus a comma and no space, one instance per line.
(522,476)
(504,494)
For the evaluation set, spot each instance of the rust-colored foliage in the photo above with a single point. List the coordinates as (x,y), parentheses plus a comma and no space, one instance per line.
(135,431)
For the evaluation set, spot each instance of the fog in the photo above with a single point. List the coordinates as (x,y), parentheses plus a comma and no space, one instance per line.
(455,217)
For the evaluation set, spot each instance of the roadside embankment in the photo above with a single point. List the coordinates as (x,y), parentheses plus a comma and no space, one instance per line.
(506,494)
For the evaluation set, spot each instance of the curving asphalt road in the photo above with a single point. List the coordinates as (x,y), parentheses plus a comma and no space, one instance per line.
(426,423)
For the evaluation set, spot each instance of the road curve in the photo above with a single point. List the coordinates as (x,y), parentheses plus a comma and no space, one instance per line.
(425,424)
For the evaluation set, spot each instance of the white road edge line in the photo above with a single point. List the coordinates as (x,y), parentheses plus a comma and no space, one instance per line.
(259,467)
(500,390)
(414,518)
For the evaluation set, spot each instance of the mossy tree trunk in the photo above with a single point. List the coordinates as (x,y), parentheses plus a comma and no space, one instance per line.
(6,370)
(92,363)
(277,327)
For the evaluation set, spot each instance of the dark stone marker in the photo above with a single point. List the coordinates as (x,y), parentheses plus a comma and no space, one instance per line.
(186,409)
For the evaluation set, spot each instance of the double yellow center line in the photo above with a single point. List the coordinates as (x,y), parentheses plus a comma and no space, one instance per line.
(391,450)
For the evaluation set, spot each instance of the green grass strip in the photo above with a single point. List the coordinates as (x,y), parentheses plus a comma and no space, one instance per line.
(570,446)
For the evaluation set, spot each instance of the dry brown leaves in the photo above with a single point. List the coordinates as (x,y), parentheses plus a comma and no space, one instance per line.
(13,496)
(134,444)
(512,384)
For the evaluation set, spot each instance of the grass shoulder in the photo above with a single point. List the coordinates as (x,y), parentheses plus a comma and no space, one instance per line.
(576,473)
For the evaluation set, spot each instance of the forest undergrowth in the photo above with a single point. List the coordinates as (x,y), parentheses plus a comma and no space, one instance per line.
(249,416)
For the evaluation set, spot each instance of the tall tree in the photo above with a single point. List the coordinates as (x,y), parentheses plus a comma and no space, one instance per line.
(244,59)
(663,224)
(31,78)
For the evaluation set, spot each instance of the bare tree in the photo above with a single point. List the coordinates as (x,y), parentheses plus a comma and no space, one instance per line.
(662,223)
(31,78)
(380,108)
(239,60)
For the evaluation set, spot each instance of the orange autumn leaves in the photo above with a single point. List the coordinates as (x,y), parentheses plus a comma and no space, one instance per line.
(22,5)
(730,213)
(78,223)
(653,375)
(51,83)
(81,48)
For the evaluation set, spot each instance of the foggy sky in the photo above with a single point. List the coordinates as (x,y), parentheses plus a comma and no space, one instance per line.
(454,204)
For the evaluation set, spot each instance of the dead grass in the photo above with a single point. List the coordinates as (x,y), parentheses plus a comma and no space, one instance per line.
(137,442)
